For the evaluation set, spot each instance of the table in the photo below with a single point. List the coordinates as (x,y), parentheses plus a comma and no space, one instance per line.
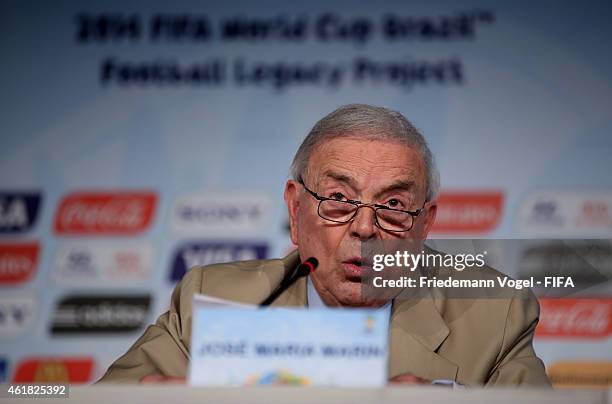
(135,394)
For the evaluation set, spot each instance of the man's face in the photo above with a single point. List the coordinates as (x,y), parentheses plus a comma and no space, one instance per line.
(371,171)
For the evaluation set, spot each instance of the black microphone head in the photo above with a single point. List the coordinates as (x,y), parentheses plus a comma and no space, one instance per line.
(312,261)
(308,266)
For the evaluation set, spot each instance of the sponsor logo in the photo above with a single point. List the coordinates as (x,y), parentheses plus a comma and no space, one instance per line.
(16,315)
(542,212)
(546,211)
(468,212)
(18,211)
(17,262)
(125,263)
(595,212)
(54,370)
(98,213)
(566,214)
(100,314)
(581,374)
(587,262)
(206,253)
(3,371)
(575,318)
(220,213)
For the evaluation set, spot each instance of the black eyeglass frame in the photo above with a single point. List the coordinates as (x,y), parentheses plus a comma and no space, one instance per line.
(359,205)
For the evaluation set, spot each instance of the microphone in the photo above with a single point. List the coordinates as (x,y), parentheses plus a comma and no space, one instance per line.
(303,269)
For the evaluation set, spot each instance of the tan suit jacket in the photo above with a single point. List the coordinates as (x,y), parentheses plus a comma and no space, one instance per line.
(472,341)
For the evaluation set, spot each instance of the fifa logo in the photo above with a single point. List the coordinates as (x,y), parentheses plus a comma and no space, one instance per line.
(369,324)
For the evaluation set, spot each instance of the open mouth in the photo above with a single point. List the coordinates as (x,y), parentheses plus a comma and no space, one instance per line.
(355,268)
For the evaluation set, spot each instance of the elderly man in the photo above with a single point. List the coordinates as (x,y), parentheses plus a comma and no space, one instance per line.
(362,174)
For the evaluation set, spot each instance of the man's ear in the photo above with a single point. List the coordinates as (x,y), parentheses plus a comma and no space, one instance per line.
(430,217)
(292,199)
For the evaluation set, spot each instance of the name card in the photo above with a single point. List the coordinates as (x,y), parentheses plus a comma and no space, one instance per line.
(234,346)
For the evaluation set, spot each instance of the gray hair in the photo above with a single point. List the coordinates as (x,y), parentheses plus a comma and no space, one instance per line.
(369,122)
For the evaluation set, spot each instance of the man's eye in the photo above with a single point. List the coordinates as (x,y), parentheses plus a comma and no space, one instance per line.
(394,203)
(338,196)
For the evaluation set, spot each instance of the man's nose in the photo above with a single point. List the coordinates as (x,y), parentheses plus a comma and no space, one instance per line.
(363,225)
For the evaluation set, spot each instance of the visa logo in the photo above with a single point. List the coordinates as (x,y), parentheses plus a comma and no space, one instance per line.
(3,371)
(207,253)
(18,211)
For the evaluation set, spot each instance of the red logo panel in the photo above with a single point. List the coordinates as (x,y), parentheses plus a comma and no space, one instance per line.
(468,212)
(121,213)
(54,370)
(575,318)
(17,262)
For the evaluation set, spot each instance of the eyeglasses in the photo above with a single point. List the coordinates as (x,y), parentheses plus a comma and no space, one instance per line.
(343,211)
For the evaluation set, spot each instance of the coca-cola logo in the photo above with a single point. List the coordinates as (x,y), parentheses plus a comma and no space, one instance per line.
(17,262)
(468,212)
(579,318)
(105,213)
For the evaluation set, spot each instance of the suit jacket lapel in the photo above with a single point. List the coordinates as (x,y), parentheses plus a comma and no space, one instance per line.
(416,332)
(296,294)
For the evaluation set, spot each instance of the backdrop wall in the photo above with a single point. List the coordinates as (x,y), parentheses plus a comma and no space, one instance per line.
(140,139)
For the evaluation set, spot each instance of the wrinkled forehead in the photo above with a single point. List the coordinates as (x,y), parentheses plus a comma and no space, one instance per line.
(367,163)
